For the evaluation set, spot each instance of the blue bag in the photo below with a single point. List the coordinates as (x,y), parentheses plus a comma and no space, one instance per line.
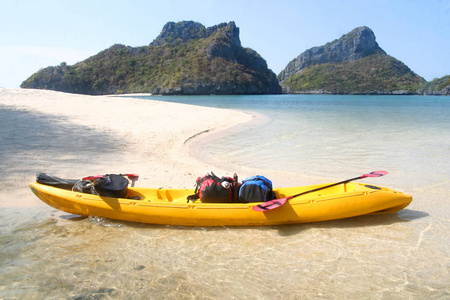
(256,189)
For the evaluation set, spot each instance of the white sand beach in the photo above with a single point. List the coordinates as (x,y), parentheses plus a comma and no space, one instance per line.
(115,135)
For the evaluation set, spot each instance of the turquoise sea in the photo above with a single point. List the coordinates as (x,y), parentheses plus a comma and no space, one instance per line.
(338,136)
(48,254)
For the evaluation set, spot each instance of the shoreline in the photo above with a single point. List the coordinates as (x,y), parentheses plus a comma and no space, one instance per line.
(72,136)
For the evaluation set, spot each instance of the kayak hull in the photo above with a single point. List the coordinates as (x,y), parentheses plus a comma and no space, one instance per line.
(170,207)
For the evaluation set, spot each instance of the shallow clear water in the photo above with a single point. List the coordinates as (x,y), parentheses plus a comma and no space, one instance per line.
(47,254)
(339,136)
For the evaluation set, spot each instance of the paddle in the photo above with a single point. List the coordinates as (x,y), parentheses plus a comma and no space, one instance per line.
(272,204)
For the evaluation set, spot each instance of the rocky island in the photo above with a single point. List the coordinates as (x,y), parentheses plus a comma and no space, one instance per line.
(186,58)
(189,59)
(353,64)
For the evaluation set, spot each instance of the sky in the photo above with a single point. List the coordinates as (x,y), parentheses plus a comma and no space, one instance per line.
(35,34)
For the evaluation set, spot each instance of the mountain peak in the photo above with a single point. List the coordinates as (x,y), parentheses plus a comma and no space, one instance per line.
(361,42)
(181,32)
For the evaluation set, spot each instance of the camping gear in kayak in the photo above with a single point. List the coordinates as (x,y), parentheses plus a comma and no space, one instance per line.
(255,189)
(110,185)
(212,189)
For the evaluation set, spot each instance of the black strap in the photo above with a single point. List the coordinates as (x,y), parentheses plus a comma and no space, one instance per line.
(193,197)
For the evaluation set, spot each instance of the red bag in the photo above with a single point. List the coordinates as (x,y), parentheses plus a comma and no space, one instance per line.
(212,189)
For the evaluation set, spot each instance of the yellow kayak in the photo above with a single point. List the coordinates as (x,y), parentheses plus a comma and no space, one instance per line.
(170,207)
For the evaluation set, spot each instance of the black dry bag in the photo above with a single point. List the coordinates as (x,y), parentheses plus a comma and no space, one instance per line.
(112,185)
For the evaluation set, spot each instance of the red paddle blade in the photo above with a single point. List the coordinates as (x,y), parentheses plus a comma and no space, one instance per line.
(132,176)
(269,205)
(375,174)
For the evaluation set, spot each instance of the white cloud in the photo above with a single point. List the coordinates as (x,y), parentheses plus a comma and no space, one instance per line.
(18,63)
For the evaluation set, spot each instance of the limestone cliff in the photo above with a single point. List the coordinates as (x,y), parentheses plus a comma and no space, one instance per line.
(357,44)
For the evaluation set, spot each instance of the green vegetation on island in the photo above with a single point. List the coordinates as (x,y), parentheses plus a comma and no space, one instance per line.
(374,74)
(186,58)
(438,86)
(190,59)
